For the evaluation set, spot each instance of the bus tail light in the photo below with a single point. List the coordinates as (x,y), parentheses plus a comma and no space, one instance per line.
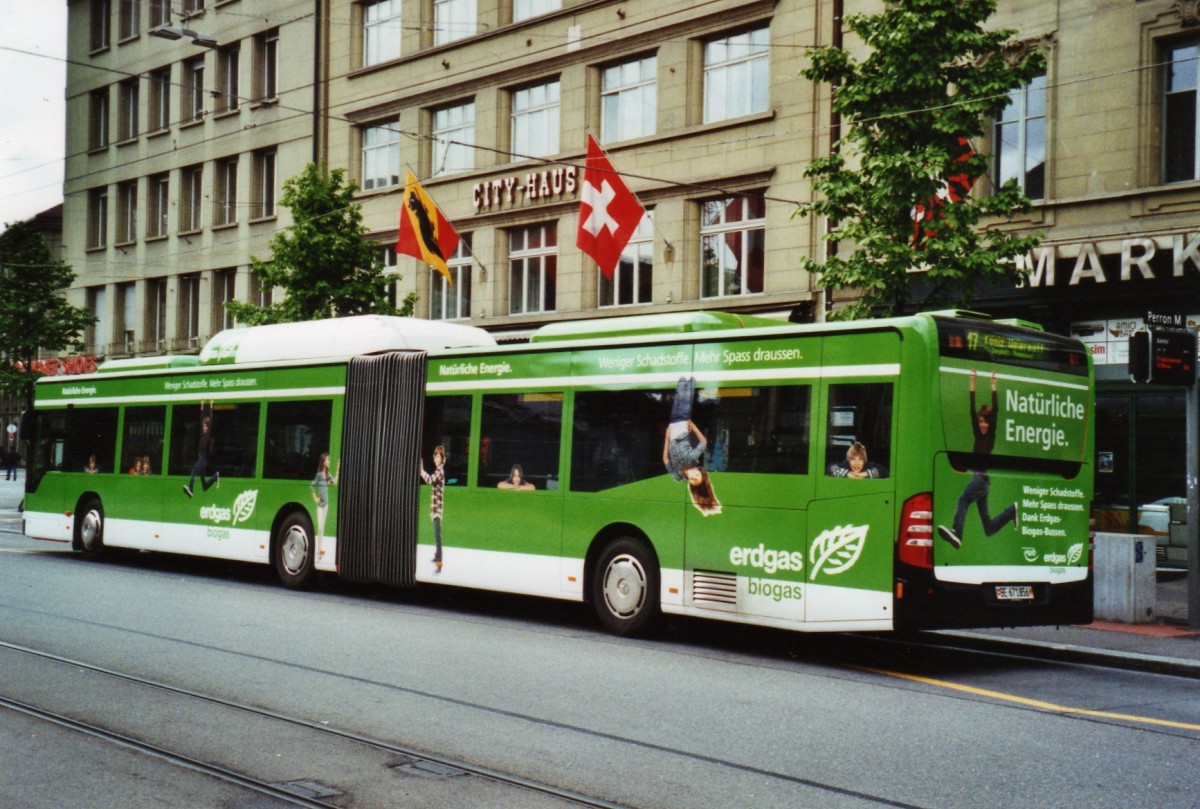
(916,531)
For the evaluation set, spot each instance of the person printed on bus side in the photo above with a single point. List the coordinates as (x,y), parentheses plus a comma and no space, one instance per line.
(683,449)
(91,467)
(436,479)
(320,491)
(983,425)
(206,446)
(516,480)
(144,466)
(856,465)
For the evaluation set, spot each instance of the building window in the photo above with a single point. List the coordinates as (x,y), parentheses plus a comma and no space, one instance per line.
(97,218)
(261,293)
(97,306)
(160,100)
(381,31)
(158,188)
(453,139)
(227,78)
(131,19)
(524,9)
(535,121)
(1181,135)
(127,212)
(193,91)
(380,156)
(191,186)
(452,302)
(225,283)
(1020,139)
(126,310)
(156,314)
(127,97)
(192,7)
(628,100)
(532,269)
(264,185)
(633,279)
(189,309)
(736,75)
(266,65)
(453,19)
(225,192)
(160,13)
(98,119)
(732,240)
(100,22)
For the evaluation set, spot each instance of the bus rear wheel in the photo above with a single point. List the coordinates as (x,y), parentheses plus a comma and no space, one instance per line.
(625,587)
(294,552)
(89,528)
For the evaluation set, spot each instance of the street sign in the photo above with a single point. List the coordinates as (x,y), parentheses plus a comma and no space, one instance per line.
(1165,320)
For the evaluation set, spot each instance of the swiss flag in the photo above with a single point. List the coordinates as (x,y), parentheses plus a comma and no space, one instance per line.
(609,213)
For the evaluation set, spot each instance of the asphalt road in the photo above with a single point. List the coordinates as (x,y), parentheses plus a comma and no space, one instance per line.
(704,715)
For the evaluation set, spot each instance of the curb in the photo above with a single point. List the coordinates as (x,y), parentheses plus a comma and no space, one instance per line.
(1068,652)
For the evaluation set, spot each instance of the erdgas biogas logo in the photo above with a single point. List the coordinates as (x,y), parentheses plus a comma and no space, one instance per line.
(766,559)
(836,550)
(242,510)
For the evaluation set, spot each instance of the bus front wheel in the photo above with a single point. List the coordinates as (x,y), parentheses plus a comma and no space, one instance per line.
(625,587)
(89,528)
(294,551)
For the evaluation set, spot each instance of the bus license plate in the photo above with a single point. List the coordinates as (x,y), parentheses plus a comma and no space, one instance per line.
(1014,592)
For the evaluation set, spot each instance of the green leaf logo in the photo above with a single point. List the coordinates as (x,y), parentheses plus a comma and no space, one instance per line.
(243,506)
(837,549)
(1075,553)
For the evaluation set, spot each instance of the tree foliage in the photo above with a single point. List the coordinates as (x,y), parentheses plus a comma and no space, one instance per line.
(323,261)
(933,75)
(34,313)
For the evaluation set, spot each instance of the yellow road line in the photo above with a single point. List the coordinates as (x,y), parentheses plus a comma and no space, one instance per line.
(1033,703)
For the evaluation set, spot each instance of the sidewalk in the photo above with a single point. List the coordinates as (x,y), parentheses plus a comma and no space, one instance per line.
(1166,645)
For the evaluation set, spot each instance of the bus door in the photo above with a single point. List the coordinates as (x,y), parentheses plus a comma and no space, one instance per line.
(511,537)
(745,522)
(851,521)
(1012,491)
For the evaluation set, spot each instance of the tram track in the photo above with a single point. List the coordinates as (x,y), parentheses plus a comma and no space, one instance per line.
(411,757)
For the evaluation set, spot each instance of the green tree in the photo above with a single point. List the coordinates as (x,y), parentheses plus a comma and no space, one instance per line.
(323,261)
(34,313)
(933,75)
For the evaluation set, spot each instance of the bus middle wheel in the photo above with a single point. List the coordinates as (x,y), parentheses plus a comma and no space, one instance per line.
(625,587)
(295,551)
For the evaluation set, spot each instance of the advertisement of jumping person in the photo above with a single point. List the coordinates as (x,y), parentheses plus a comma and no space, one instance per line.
(1010,501)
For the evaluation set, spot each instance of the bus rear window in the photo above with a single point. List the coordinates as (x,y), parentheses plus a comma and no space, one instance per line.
(980,341)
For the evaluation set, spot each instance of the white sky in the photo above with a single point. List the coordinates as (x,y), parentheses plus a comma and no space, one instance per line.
(32,111)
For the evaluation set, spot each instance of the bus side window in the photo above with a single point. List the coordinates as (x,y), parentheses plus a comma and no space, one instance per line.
(520,429)
(90,431)
(234,444)
(617,438)
(763,430)
(297,434)
(448,425)
(859,431)
(142,440)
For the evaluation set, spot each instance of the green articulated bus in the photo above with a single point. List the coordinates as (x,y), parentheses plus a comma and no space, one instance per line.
(920,472)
